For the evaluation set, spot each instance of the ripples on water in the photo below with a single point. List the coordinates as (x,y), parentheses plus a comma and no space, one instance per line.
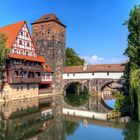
(43,120)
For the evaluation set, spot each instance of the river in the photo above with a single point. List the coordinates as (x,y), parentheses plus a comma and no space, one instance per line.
(43,120)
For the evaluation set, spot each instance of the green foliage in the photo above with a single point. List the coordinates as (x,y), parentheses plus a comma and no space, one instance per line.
(3,50)
(71,127)
(120,101)
(135,94)
(76,95)
(72,59)
(133,53)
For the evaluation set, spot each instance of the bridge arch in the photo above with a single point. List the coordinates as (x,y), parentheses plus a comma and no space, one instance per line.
(67,83)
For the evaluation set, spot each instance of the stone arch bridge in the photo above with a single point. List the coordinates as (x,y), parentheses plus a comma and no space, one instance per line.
(93,85)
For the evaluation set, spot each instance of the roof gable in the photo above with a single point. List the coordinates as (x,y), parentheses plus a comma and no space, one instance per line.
(11,31)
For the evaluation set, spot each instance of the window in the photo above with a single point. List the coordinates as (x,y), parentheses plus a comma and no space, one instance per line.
(27,53)
(27,35)
(21,88)
(15,50)
(22,33)
(107,73)
(21,52)
(73,74)
(17,88)
(28,44)
(92,74)
(20,42)
(68,74)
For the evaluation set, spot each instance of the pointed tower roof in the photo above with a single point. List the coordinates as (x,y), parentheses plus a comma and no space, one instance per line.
(47,18)
(11,31)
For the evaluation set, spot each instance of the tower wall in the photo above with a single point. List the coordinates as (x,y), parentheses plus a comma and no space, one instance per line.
(50,40)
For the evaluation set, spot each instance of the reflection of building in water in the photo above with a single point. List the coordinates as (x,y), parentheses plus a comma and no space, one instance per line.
(107,93)
(108,90)
(30,120)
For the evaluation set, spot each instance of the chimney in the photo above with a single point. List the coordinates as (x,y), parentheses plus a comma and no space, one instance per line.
(85,67)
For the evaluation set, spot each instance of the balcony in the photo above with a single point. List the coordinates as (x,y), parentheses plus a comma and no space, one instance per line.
(24,67)
(25,80)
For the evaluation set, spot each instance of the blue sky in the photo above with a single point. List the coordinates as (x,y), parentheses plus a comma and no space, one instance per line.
(94,27)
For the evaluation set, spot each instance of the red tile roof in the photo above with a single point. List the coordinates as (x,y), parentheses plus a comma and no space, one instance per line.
(29,58)
(47,18)
(47,68)
(95,68)
(11,31)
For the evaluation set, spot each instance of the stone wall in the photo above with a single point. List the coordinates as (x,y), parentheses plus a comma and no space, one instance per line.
(93,85)
(19,91)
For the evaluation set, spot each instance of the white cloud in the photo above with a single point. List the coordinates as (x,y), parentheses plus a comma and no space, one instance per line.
(93,59)
(100,60)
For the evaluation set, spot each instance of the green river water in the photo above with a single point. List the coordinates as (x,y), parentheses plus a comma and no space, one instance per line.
(44,120)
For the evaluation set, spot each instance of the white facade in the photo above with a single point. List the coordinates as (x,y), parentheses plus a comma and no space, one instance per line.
(23,44)
(111,75)
(46,77)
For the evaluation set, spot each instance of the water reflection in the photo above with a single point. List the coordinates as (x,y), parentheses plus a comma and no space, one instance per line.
(44,120)
(132,131)
(110,102)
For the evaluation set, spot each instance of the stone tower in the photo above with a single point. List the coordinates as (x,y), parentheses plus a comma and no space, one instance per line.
(49,35)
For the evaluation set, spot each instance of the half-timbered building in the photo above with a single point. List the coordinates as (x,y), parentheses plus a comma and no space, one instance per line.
(25,68)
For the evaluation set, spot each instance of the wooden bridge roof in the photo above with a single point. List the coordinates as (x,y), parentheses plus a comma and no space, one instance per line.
(95,68)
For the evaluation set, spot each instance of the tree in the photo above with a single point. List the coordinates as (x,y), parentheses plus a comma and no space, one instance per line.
(3,54)
(3,50)
(72,59)
(133,53)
